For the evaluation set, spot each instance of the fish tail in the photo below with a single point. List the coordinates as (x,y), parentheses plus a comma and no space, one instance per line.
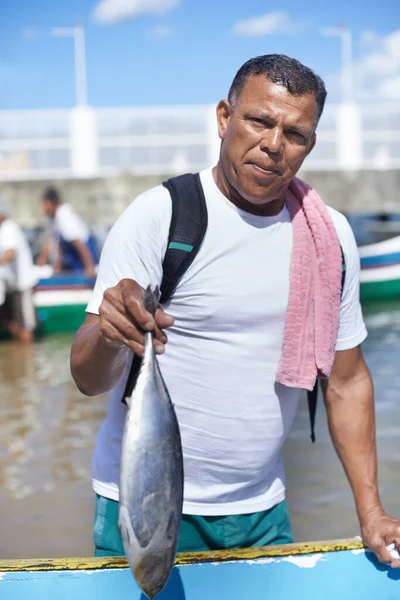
(151,298)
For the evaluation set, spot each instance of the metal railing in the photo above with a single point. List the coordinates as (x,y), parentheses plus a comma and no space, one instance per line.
(87,142)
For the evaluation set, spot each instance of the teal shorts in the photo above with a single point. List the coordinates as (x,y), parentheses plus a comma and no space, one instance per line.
(199,533)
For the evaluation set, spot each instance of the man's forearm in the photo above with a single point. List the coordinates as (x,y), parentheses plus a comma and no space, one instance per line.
(95,365)
(58,260)
(84,253)
(44,254)
(351,420)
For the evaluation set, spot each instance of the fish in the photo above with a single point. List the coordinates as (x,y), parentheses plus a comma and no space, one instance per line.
(151,473)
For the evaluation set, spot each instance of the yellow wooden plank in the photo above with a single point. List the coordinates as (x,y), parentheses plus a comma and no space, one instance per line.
(63,564)
(116,562)
(269,551)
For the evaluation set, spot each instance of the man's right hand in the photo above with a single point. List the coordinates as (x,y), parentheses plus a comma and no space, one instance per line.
(124,319)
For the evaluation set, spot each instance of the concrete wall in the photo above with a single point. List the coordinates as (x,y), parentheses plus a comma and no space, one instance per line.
(102,200)
(358,191)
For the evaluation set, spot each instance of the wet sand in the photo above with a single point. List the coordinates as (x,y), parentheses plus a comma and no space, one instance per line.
(48,430)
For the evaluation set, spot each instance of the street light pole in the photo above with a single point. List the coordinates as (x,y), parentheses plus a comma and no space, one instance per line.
(78,34)
(347,79)
(80,65)
(349,140)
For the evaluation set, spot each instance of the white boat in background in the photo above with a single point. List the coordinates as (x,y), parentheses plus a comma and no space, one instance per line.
(380,270)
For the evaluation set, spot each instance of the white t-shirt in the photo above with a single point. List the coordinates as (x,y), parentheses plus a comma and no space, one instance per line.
(13,238)
(68,225)
(223,350)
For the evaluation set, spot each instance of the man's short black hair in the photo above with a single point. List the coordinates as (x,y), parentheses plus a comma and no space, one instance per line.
(51,195)
(282,70)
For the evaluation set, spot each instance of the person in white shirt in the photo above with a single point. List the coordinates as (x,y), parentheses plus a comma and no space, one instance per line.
(69,246)
(225,331)
(17,279)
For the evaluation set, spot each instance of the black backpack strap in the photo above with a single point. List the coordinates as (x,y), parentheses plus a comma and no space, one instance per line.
(187,229)
(312,396)
(343,271)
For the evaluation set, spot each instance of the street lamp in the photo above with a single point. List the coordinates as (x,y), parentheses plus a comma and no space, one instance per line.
(347,59)
(78,33)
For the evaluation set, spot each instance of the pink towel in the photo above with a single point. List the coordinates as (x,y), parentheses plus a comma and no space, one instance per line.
(312,319)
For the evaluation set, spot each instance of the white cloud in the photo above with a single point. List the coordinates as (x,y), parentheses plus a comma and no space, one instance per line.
(160,32)
(376,72)
(274,22)
(390,88)
(369,38)
(108,12)
(30,33)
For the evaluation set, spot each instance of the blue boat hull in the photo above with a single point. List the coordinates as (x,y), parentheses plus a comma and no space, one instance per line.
(283,573)
(380,270)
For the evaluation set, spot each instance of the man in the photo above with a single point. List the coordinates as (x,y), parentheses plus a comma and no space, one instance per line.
(69,245)
(17,312)
(225,331)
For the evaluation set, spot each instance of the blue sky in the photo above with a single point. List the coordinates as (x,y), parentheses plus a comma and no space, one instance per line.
(162,52)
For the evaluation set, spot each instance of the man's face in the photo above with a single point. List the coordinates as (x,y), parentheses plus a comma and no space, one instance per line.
(49,208)
(266,136)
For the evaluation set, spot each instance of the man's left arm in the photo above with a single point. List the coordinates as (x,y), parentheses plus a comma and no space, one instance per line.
(349,399)
(86,257)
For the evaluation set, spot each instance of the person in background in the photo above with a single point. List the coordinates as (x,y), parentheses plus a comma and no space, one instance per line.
(17,312)
(69,245)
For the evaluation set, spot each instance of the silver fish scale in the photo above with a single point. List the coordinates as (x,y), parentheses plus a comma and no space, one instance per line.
(151,479)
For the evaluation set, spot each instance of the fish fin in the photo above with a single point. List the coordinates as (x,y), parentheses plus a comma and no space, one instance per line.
(151,298)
